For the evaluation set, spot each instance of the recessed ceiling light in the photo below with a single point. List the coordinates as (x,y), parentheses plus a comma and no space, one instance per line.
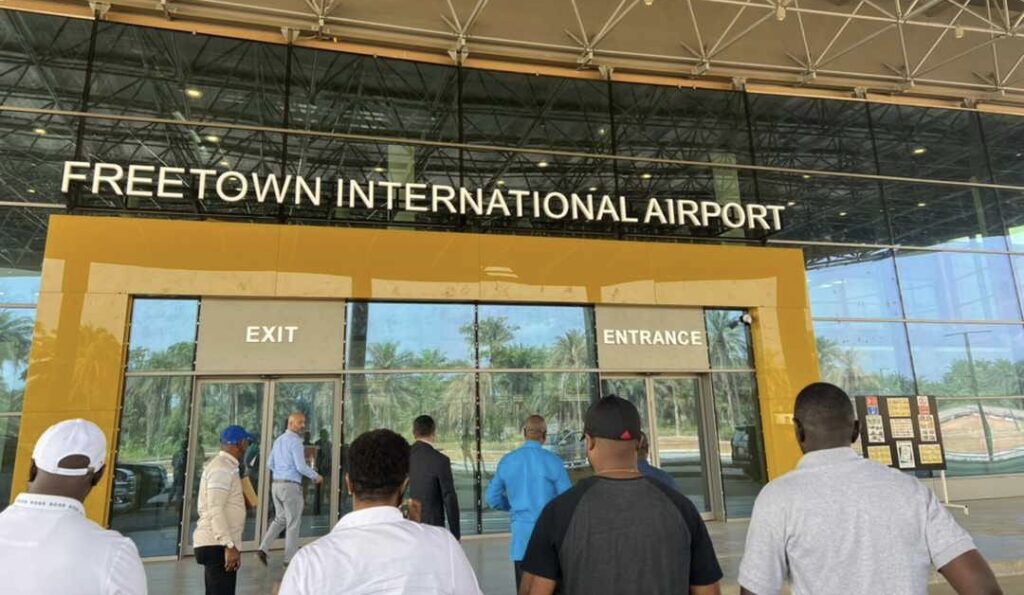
(39,131)
(602,131)
(1018,154)
(807,176)
(920,150)
(922,204)
(791,203)
(592,189)
(225,164)
(501,182)
(31,190)
(213,138)
(379,169)
(645,176)
(542,164)
(842,214)
(194,93)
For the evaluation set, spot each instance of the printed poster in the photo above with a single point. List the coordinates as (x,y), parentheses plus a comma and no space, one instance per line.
(931,454)
(880,454)
(901,427)
(927,425)
(905,454)
(923,407)
(876,429)
(872,405)
(898,406)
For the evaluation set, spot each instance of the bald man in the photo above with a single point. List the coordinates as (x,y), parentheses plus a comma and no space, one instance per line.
(526,480)
(287,466)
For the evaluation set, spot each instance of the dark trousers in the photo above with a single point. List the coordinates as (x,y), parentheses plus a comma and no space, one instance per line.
(218,580)
(519,573)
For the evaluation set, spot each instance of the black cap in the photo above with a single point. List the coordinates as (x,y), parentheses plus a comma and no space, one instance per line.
(613,418)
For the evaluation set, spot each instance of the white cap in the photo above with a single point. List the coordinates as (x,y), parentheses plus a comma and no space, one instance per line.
(67,438)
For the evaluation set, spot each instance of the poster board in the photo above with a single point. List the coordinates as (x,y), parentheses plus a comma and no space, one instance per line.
(901,432)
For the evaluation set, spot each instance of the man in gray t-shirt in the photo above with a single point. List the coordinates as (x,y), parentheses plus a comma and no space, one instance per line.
(840,523)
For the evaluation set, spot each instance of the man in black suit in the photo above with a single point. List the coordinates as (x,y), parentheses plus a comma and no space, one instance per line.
(430,478)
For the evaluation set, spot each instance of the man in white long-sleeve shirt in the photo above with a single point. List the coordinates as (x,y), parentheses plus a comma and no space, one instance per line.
(222,513)
(288,466)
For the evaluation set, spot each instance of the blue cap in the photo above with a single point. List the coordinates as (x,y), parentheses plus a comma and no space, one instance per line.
(235,434)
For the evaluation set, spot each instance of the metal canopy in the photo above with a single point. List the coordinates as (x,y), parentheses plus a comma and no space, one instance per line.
(952,48)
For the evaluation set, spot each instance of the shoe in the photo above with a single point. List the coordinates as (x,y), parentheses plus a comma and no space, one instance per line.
(262,555)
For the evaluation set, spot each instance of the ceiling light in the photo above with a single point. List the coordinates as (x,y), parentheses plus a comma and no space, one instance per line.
(39,131)
(225,164)
(646,176)
(920,151)
(501,182)
(379,169)
(922,204)
(780,13)
(648,2)
(1018,154)
(212,138)
(842,214)
(601,132)
(791,203)
(958,33)
(807,176)
(31,190)
(542,164)
(592,189)
(194,93)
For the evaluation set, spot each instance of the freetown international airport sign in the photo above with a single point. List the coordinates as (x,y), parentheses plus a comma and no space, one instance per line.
(156,182)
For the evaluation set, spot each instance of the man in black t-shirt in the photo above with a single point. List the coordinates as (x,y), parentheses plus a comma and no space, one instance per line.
(618,531)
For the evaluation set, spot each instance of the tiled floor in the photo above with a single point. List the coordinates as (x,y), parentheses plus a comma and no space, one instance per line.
(997,527)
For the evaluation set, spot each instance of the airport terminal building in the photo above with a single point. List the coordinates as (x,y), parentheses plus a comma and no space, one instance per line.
(206,219)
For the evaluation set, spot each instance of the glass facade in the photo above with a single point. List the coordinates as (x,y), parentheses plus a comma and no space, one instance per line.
(914,266)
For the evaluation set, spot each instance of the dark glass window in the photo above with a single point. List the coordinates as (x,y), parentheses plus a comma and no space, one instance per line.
(852,283)
(930,215)
(825,208)
(957,286)
(928,143)
(803,133)
(42,60)
(1002,140)
(865,358)
(8,447)
(163,335)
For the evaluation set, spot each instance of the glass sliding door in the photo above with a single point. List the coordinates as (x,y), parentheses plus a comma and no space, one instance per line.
(678,438)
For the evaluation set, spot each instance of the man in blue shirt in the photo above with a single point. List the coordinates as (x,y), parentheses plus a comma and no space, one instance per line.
(287,466)
(649,470)
(526,480)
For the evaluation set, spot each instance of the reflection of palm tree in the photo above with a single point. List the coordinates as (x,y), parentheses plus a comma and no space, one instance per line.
(15,343)
(729,349)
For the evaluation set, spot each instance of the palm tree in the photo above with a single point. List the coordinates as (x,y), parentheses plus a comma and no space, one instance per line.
(15,344)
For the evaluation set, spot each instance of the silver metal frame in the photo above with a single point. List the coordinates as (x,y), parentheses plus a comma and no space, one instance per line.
(269,385)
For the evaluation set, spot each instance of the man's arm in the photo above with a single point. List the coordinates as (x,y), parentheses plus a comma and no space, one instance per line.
(299,460)
(125,575)
(562,481)
(218,489)
(536,585)
(451,499)
(712,589)
(969,573)
(496,498)
(763,567)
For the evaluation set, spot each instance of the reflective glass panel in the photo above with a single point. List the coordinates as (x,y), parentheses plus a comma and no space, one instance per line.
(852,283)
(936,216)
(678,439)
(383,336)
(393,401)
(740,441)
(18,286)
(825,208)
(16,326)
(983,436)
(536,337)
(315,399)
(957,286)
(42,60)
(728,339)
(22,241)
(928,143)
(865,358)
(8,447)
(152,456)
(967,360)
(507,399)
(1002,141)
(163,334)
(634,390)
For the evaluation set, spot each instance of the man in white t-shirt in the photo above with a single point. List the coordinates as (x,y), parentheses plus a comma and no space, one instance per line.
(373,549)
(47,545)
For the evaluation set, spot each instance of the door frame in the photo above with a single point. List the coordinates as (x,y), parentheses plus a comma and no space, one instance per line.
(711,462)
(263,496)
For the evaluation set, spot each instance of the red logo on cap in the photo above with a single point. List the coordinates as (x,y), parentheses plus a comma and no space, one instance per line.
(626,435)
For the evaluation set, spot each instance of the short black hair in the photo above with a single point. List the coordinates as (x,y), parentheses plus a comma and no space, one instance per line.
(824,408)
(378,463)
(423,426)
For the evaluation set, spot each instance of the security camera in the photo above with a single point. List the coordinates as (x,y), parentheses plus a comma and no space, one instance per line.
(747,319)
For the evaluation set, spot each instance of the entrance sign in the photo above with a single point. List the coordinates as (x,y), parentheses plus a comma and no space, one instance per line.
(270,336)
(156,182)
(651,339)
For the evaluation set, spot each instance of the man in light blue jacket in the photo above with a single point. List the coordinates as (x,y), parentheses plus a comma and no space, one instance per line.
(526,480)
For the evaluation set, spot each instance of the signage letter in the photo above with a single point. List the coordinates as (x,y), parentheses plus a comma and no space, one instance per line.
(252,334)
(291,333)
(65,183)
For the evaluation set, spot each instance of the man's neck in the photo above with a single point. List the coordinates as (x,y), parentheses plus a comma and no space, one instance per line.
(426,440)
(358,504)
(50,491)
